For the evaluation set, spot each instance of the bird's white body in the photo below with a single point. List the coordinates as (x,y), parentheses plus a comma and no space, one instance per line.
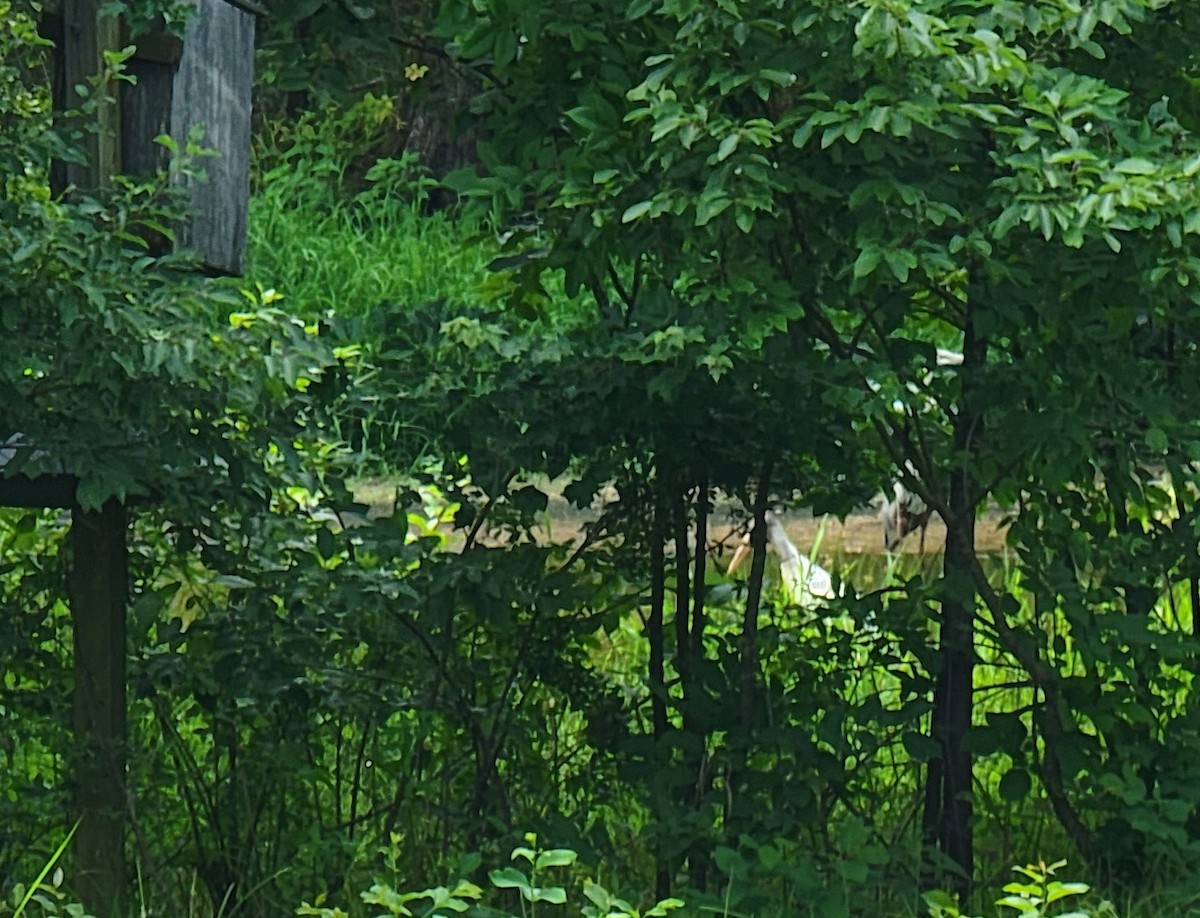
(805,582)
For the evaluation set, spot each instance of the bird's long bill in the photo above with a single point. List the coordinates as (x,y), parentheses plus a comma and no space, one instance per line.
(743,550)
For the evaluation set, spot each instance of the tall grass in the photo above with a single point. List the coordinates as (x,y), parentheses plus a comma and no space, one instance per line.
(329,233)
(358,255)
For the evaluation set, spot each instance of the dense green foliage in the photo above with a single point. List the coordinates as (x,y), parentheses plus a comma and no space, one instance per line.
(107,343)
(991,177)
(702,269)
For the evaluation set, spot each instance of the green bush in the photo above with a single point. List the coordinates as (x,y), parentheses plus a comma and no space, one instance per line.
(1038,894)
(535,884)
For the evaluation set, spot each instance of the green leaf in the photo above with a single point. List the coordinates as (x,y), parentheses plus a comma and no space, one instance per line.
(1136,165)
(525,853)
(234,582)
(831,134)
(584,116)
(1057,891)
(555,895)
(1022,904)
(663,907)
(505,49)
(91,493)
(728,144)
(529,500)
(803,133)
(636,210)
(509,878)
(327,543)
(1045,221)
(900,262)
(555,857)
(867,261)
(920,747)
(941,901)
(710,206)
(1015,785)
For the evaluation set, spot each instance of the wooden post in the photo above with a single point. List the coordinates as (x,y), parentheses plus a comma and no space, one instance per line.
(98,584)
(86,36)
(205,82)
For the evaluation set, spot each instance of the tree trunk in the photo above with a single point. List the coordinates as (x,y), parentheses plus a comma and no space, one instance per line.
(683,604)
(97,586)
(656,675)
(435,132)
(654,635)
(699,564)
(948,811)
(432,132)
(948,805)
(749,643)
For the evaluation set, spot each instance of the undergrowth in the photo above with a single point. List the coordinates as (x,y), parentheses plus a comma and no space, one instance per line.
(335,228)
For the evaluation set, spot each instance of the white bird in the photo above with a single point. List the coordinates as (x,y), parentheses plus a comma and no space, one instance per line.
(805,582)
(901,516)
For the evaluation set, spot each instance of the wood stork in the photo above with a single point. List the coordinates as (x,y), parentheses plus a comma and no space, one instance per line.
(902,515)
(805,582)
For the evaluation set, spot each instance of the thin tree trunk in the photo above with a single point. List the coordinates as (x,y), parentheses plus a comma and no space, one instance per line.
(952,706)
(699,589)
(948,826)
(654,635)
(656,675)
(749,644)
(695,762)
(931,816)
(683,602)
(1194,594)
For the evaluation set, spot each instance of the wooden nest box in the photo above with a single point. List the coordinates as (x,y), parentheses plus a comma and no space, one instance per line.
(198,84)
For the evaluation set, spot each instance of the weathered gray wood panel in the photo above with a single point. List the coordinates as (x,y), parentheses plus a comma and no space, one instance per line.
(206,84)
(212,89)
(145,114)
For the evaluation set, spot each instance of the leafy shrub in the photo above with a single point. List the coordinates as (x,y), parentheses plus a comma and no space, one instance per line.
(1037,895)
(533,890)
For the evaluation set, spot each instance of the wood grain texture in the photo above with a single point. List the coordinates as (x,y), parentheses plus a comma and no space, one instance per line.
(212,90)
